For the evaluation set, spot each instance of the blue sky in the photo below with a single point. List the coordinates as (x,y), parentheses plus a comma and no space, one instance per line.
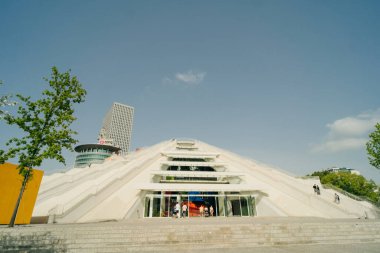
(294,84)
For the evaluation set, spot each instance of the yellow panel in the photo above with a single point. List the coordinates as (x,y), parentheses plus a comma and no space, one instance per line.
(10,185)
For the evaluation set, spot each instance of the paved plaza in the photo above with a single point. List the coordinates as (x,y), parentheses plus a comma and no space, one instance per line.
(316,248)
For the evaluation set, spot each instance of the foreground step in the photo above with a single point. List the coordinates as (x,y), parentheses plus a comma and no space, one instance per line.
(155,235)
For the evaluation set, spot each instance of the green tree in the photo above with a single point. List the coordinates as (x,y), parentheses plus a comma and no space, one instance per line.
(320,174)
(46,124)
(373,147)
(355,184)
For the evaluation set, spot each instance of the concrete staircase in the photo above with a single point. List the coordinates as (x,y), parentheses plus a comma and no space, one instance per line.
(185,235)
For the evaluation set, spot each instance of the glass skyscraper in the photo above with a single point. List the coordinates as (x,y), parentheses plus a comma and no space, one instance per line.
(117,126)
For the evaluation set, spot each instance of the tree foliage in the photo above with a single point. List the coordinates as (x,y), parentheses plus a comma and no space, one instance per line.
(45,122)
(5,101)
(352,183)
(373,147)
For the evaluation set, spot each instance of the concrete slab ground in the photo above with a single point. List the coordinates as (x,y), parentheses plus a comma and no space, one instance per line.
(317,248)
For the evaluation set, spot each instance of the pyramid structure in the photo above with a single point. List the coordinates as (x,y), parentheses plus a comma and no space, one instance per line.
(149,183)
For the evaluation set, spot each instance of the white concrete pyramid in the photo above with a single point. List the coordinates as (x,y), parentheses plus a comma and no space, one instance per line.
(148,182)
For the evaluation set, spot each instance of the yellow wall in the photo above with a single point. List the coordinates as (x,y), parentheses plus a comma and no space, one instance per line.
(10,185)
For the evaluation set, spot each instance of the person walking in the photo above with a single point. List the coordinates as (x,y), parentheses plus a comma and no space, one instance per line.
(337,198)
(211,211)
(176,210)
(184,210)
(201,211)
(318,190)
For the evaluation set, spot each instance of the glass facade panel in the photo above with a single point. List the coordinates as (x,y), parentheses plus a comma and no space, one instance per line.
(244,206)
(252,206)
(156,207)
(234,204)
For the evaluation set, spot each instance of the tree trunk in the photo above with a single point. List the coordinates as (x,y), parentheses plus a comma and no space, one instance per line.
(14,215)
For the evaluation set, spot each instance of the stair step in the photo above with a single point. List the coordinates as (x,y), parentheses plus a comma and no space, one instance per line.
(198,234)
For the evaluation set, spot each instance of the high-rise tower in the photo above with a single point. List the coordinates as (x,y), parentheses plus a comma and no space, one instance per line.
(118,124)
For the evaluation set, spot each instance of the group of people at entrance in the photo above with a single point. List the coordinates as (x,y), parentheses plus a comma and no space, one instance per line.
(204,211)
(183,211)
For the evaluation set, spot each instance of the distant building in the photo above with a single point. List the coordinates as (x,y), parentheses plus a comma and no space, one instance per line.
(93,154)
(343,169)
(117,126)
(114,137)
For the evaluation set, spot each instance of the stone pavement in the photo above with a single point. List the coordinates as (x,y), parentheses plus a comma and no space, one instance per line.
(316,248)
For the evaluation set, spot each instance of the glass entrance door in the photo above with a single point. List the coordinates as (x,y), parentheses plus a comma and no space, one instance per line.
(162,205)
(244,206)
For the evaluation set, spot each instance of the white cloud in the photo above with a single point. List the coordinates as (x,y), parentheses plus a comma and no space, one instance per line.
(190,77)
(348,133)
(340,145)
